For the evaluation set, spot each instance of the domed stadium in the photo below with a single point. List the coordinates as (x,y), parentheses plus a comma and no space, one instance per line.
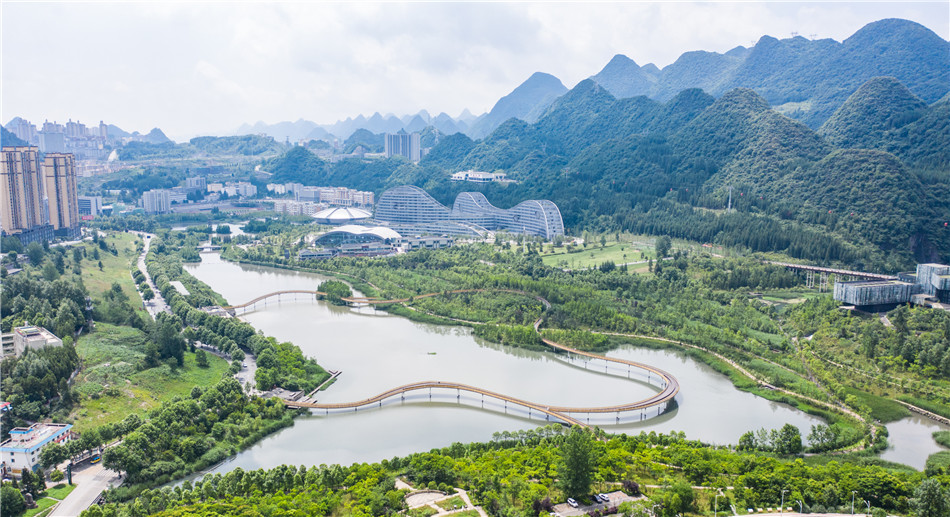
(341,215)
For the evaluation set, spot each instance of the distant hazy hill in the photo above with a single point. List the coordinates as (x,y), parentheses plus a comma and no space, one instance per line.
(376,124)
(246,145)
(623,77)
(806,79)
(156,136)
(8,139)
(281,131)
(526,102)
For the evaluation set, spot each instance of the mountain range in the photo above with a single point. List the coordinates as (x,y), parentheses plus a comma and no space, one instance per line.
(868,188)
(804,79)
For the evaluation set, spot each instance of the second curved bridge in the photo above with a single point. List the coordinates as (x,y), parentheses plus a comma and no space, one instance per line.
(670,386)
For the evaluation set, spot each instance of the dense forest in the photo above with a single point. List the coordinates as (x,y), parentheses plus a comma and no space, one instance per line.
(525,474)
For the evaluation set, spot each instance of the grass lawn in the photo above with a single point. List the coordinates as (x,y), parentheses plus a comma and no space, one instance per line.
(943,438)
(61,492)
(448,503)
(595,255)
(111,385)
(114,268)
(41,505)
(422,511)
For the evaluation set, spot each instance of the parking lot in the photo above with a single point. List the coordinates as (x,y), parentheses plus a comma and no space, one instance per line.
(616,498)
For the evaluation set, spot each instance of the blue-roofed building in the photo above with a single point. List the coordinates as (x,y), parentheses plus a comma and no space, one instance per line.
(22,450)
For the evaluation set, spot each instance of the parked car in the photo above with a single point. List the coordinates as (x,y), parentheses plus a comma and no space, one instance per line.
(604,498)
(572,502)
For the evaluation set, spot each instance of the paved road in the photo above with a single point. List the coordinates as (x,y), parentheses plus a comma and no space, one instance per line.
(157,304)
(90,482)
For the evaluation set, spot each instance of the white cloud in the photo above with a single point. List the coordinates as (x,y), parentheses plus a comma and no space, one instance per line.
(199,68)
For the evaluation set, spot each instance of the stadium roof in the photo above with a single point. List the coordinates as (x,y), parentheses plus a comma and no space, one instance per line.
(378,231)
(340,215)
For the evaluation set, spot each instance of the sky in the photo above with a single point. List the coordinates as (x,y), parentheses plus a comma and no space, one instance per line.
(205,68)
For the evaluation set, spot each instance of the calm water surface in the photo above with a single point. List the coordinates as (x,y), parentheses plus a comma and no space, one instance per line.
(377,351)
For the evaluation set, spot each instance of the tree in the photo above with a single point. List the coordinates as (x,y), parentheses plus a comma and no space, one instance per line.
(147,294)
(931,500)
(201,358)
(11,500)
(53,454)
(50,273)
(789,440)
(663,245)
(35,252)
(577,462)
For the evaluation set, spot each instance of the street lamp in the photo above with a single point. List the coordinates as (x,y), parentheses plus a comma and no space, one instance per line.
(869,506)
(852,501)
(800,509)
(781,508)
(716,510)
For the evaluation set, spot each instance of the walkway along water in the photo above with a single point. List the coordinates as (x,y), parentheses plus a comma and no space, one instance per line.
(669,385)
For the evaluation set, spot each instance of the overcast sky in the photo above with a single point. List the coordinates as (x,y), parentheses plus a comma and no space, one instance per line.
(195,68)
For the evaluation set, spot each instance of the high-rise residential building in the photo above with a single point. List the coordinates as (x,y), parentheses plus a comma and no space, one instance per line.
(24,131)
(52,142)
(21,190)
(156,201)
(59,176)
(404,144)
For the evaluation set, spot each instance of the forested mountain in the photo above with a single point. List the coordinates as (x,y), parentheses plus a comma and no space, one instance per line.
(885,115)
(623,77)
(245,145)
(527,102)
(805,79)
(667,168)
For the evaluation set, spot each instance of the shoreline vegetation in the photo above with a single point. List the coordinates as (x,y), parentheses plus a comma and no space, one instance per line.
(769,349)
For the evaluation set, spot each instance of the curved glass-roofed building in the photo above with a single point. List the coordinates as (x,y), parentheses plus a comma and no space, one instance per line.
(409,205)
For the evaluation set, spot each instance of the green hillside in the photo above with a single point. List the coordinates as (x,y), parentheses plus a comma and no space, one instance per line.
(642,166)
(877,107)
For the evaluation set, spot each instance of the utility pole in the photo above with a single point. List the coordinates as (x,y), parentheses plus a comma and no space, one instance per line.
(852,501)
(781,509)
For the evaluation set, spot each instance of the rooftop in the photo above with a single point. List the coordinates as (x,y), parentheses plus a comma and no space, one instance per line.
(341,214)
(378,231)
(33,436)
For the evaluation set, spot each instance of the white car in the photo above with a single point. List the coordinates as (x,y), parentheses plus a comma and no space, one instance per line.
(572,502)
(603,497)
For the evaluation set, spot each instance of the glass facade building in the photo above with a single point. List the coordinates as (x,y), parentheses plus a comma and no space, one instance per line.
(409,205)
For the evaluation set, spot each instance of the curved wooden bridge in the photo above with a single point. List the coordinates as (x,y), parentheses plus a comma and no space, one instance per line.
(416,386)
(670,386)
(274,294)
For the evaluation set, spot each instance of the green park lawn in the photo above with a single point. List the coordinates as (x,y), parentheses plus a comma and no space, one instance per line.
(112,386)
(595,254)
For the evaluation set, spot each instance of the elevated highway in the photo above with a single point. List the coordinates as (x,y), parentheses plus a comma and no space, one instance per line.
(833,271)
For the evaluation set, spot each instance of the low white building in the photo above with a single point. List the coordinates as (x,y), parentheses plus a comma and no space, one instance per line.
(29,336)
(480,176)
(22,450)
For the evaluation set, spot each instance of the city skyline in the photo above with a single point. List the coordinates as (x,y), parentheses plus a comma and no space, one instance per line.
(207,68)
